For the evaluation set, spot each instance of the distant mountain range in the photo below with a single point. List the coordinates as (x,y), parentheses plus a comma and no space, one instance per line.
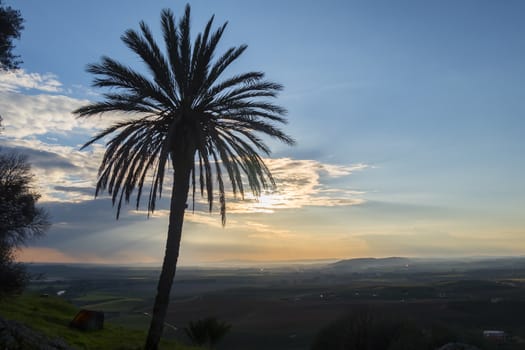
(389,264)
(421,264)
(361,264)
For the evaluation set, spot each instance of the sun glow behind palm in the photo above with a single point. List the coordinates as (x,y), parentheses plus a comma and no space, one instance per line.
(433,111)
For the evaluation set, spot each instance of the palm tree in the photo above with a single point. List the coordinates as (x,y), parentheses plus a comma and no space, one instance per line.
(181,113)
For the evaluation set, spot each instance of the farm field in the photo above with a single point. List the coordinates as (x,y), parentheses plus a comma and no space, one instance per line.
(286,307)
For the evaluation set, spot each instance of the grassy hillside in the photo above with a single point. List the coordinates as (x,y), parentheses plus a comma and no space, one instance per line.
(51,316)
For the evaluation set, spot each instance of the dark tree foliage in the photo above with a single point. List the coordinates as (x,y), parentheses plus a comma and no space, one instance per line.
(365,329)
(11,25)
(13,275)
(207,332)
(20,218)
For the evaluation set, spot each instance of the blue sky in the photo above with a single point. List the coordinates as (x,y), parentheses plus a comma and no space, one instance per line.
(408,117)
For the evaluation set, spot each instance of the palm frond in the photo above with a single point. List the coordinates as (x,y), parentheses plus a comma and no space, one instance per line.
(180,112)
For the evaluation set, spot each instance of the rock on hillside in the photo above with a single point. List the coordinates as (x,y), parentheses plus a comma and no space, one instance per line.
(16,336)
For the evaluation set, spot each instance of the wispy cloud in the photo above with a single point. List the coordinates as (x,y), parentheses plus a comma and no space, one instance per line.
(17,80)
(302,183)
(62,173)
(264,231)
(35,125)
(43,127)
(33,115)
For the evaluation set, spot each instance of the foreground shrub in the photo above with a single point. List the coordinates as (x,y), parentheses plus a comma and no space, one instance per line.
(365,329)
(207,332)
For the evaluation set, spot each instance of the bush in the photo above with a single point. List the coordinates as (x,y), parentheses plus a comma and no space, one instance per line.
(368,330)
(20,218)
(207,332)
(13,276)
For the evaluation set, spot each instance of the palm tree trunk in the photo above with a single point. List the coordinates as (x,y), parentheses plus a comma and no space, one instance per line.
(179,196)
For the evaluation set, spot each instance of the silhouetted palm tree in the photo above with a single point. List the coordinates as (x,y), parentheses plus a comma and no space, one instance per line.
(180,112)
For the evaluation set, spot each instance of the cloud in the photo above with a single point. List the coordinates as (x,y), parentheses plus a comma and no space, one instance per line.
(248,226)
(43,159)
(59,169)
(206,219)
(85,230)
(91,225)
(32,115)
(44,127)
(16,80)
(264,231)
(83,190)
(301,183)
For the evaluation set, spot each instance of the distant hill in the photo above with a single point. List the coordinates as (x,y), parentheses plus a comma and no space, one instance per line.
(363,264)
(393,264)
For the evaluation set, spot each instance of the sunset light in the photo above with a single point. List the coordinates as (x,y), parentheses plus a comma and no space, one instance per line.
(262,175)
(409,140)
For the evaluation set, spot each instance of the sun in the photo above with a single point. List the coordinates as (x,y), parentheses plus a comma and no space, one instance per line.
(268,202)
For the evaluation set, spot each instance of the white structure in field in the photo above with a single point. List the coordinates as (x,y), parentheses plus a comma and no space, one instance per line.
(496,335)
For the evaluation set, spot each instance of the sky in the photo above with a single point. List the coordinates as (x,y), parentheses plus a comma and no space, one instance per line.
(408,116)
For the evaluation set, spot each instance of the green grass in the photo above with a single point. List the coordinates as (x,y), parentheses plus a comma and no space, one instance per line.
(51,316)
(96,297)
(136,321)
(116,305)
